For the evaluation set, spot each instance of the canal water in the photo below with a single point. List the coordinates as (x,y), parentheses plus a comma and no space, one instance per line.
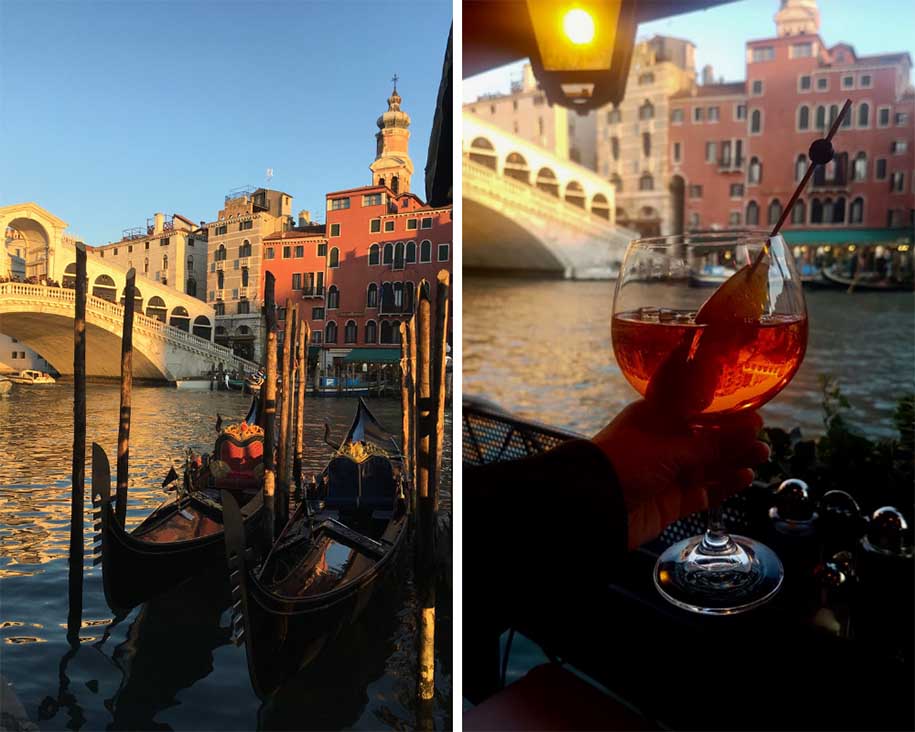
(169,663)
(541,349)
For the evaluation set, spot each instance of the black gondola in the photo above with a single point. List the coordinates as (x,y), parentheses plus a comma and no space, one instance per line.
(326,564)
(184,535)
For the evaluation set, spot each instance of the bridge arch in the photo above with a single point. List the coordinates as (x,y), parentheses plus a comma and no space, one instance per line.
(575,194)
(155,308)
(137,299)
(600,206)
(32,238)
(203,328)
(180,318)
(547,182)
(516,167)
(483,152)
(105,288)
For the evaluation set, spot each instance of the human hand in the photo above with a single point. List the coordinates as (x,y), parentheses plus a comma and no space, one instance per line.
(667,470)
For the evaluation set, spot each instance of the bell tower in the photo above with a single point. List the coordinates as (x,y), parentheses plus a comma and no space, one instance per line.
(392,166)
(797,17)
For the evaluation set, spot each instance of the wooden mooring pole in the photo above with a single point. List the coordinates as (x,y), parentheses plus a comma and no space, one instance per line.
(78,472)
(288,371)
(126,389)
(302,355)
(269,388)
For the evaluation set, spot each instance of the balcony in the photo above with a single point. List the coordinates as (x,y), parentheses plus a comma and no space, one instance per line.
(243,261)
(219,265)
(220,294)
(731,165)
(313,291)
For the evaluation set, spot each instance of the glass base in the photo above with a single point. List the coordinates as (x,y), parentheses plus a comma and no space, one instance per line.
(721,578)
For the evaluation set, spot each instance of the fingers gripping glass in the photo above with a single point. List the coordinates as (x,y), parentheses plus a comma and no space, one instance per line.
(705,326)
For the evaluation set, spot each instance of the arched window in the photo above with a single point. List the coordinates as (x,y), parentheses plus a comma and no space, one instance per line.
(371,332)
(482,152)
(333,297)
(408,289)
(221,253)
(104,288)
(857,211)
(244,276)
(398,255)
(833,113)
(334,258)
(516,167)
(816,211)
(387,298)
(546,182)
(800,167)
(202,327)
(775,211)
(425,251)
(137,299)
(752,217)
(191,287)
(859,172)
(600,206)
(146,265)
(349,332)
(838,211)
(155,308)
(387,332)
(330,332)
(646,182)
(190,261)
(220,279)
(803,117)
(575,194)
(756,121)
(245,249)
(373,254)
(754,172)
(827,211)
(371,296)
(798,213)
(180,319)
(388,254)
(864,111)
(646,111)
(615,147)
(381,181)
(164,262)
(616,182)
(411,251)
(646,144)
(821,118)
(395,183)
(398,297)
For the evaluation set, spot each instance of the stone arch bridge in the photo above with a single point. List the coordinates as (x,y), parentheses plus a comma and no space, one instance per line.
(526,209)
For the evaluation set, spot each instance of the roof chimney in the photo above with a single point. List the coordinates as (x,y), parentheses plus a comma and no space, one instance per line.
(708,75)
(159,222)
(304,217)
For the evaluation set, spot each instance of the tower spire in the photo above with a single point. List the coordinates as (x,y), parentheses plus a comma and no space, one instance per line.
(392,166)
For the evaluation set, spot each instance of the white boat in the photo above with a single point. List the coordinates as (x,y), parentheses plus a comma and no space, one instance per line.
(30,376)
(5,386)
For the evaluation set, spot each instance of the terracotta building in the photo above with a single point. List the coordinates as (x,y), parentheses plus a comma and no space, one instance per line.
(738,150)
(354,278)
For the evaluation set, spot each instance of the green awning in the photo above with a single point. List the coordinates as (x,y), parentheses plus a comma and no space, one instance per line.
(859,237)
(373,355)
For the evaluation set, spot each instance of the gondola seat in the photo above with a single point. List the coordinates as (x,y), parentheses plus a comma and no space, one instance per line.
(360,486)
(238,458)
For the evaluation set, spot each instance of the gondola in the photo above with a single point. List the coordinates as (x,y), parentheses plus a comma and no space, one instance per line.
(866,281)
(184,535)
(323,569)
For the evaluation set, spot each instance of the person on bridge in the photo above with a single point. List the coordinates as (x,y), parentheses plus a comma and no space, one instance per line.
(557,524)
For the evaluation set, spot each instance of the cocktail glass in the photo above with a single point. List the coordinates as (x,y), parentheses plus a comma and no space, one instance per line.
(700,357)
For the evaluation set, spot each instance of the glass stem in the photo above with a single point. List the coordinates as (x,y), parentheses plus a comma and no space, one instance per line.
(716,539)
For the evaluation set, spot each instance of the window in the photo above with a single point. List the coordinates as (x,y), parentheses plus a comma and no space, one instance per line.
(880,169)
(800,50)
(816,211)
(863,115)
(410,255)
(330,332)
(897,147)
(646,111)
(427,223)
(389,226)
(756,88)
(803,118)
(333,297)
(349,332)
(900,119)
(425,251)
(864,81)
(798,213)
(615,147)
(371,296)
(220,279)
(317,313)
(336,204)
(774,213)
(335,229)
(388,254)
(714,114)
(614,116)
(219,308)
(740,111)
(859,170)
(694,221)
(299,251)
(220,230)
(762,53)
(245,225)
(371,199)
(754,172)
(822,83)
(646,78)
(800,167)
(883,116)
(146,266)
(838,211)
(857,211)
(752,216)
(616,182)
(848,82)
(736,190)
(296,280)
(244,307)
(678,153)
(374,226)
(646,144)
(322,249)
(755,122)
(803,83)
(695,191)
(269,253)
(146,245)
(676,117)
(734,218)
(244,276)
(443,252)
(317,337)
(398,255)
(897,182)
(646,182)
(287,252)
(371,332)
(411,224)
(711,152)
(697,114)
(373,255)
(334,258)
(827,211)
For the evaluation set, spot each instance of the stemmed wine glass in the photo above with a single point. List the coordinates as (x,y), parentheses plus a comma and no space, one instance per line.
(700,354)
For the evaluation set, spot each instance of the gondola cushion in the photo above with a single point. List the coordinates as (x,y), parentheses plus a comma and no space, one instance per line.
(238,457)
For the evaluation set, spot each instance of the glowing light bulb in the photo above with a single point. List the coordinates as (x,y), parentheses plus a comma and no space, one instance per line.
(578,26)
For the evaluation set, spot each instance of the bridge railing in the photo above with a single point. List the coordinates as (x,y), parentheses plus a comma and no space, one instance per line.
(116,311)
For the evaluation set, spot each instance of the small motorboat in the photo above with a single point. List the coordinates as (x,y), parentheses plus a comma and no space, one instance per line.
(31,376)
(5,386)
(339,547)
(710,276)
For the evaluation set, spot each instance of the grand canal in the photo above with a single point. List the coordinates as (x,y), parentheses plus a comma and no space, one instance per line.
(541,349)
(169,664)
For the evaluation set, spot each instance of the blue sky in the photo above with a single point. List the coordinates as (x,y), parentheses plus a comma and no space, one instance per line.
(111,111)
(875,26)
